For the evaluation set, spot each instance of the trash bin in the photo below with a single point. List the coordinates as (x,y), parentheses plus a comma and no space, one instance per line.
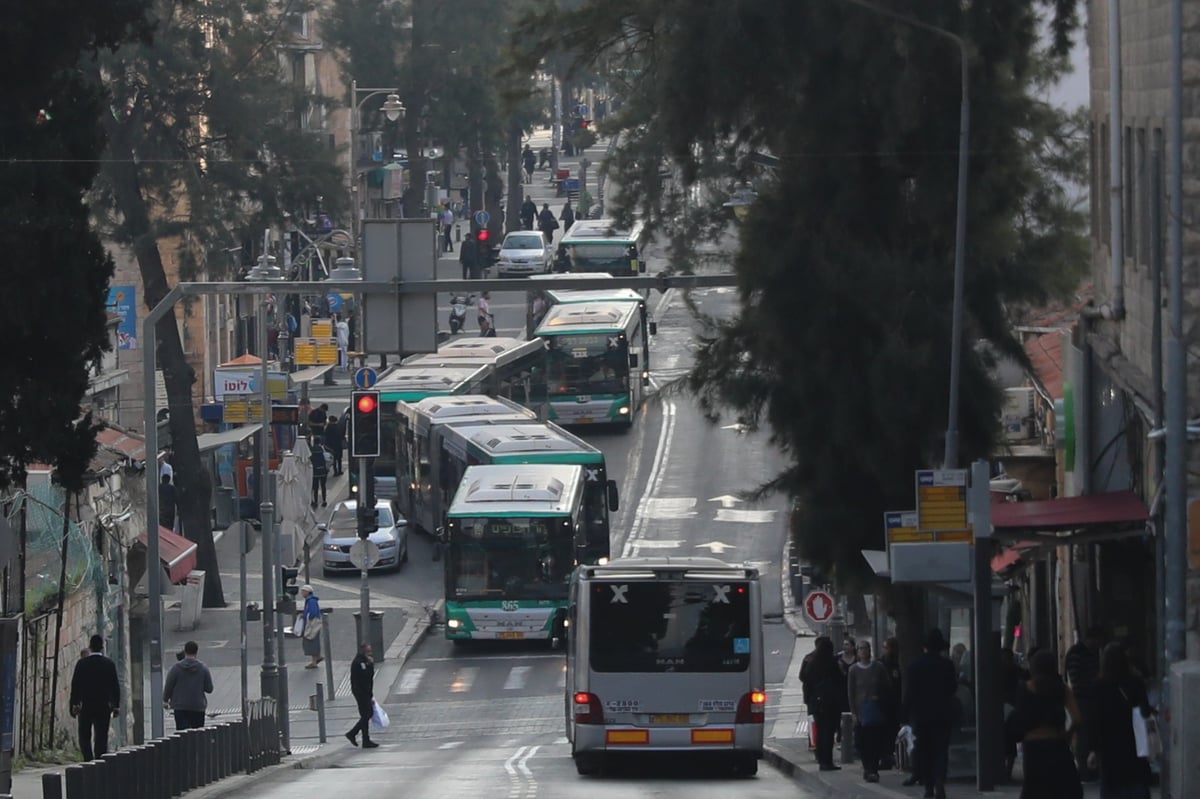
(562,174)
(191,600)
(374,631)
(223,506)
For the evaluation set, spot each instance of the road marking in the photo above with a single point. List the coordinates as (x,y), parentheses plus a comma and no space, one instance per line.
(745,516)
(726,500)
(739,427)
(669,507)
(514,789)
(451,745)
(654,482)
(562,677)
(517,677)
(666,543)
(490,658)
(716,547)
(463,679)
(410,680)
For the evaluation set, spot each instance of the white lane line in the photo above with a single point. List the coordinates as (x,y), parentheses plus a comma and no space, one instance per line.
(532,786)
(653,483)
(451,745)
(562,677)
(514,782)
(517,677)
(410,680)
(463,679)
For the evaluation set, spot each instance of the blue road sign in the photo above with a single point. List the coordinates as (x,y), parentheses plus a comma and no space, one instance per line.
(366,378)
(482,218)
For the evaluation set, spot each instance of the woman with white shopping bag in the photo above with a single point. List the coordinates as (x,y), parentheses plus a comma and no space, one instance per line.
(1124,740)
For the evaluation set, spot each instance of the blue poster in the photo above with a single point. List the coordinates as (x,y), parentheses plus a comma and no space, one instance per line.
(122,300)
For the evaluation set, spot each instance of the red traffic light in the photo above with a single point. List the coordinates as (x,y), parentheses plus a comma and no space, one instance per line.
(484,235)
(367,403)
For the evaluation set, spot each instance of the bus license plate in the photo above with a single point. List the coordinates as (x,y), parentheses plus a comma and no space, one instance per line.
(669,718)
(511,636)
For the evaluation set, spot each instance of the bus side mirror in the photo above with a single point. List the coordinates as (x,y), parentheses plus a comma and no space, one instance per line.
(613,502)
(654,328)
(633,360)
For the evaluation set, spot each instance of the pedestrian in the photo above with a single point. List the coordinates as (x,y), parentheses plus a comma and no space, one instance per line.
(849,655)
(930,709)
(362,679)
(165,466)
(1040,719)
(1082,665)
(166,503)
(317,417)
(320,471)
(335,442)
(184,691)
(1009,677)
(484,310)
(528,213)
(822,680)
(567,216)
(547,223)
(468,256)
(342,329)
(447,224)
(543,157)
(1124,774)
(866,685)
(313,626)
(530,161)
(891,702)
(95,698)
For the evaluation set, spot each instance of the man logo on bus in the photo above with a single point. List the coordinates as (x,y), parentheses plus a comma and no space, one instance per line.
(721,594)
(619,595)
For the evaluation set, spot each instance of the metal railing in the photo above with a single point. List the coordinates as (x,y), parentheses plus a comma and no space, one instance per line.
(175,764)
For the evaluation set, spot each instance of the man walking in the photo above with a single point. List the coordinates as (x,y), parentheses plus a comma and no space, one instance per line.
(166,503)
(1083,669)
(530,161)
(825,696)
(320,471)
(468,256)
(528,213)
(187,683)
(362,678)
(547,223)
(95,698)
(929,706)
(335,442)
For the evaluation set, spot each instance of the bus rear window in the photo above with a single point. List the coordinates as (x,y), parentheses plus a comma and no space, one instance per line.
(669,626)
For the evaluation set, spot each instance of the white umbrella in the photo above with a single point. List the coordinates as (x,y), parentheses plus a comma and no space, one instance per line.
(296,517)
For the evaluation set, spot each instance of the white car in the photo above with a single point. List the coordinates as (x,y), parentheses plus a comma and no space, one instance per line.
(524,253)
(342,531)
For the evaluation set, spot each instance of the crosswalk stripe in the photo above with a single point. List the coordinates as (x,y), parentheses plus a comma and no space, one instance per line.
(409,681)
(517,677)
(463,679)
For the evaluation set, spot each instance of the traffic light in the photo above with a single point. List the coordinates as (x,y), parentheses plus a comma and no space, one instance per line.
(483,236)
(364,424)
(287,580)
(368,520)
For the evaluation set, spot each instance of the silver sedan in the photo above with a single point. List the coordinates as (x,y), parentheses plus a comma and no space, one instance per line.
(342,531)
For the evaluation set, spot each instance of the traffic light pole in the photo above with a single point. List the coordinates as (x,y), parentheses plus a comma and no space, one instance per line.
(285,729)
(269,677)
(364,591)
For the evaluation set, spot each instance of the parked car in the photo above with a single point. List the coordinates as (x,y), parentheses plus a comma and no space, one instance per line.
(341,531)
(523,253)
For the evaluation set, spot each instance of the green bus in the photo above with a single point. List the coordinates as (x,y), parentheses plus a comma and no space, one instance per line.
(544,442)
(600,245)
(596,371)
(511,536)
(417,470)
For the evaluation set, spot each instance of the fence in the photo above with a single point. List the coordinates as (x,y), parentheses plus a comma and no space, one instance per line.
(38,662)
(173,765)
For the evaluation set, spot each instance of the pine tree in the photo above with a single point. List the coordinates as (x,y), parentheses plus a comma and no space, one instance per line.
(204,145)
(55,326)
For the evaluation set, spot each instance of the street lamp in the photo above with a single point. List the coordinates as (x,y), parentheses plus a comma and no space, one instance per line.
(740,201)
(393,109)
(265,269)
(345,269)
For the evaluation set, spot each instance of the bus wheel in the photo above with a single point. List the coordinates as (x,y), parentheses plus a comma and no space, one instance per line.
(745,764)
(587,764)
(437,550)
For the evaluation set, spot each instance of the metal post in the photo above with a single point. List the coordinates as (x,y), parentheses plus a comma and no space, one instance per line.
(327,634)
(364,590)
(352,109)
(960,244)
(243,548)
(52,786)
(269,678)
(987,711)
(1176,539)
(153,561)
(285,727)
(320,713)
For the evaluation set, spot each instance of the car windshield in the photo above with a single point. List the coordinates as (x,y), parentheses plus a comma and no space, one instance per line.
(523,243)
(344,521)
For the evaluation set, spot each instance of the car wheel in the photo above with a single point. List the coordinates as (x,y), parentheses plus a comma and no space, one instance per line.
(745,764)
(588,763)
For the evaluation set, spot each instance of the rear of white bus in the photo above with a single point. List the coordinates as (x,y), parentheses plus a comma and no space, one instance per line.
(667,666)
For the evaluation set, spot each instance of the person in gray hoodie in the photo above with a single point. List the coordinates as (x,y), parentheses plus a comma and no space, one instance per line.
(187,683)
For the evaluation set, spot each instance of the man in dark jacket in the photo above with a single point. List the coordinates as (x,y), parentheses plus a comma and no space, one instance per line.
(547,223)
(187,683)
(95,698)
(166,503)
(362,678)
(1082,666)
(930,708)
(825,695)
(891,699)
(528,212)
(468,256)
(335,441)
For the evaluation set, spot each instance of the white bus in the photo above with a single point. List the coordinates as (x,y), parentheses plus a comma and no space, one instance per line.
(665,655)
(599,245)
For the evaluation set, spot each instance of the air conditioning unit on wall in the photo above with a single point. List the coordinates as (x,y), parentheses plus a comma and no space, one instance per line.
(1017,414)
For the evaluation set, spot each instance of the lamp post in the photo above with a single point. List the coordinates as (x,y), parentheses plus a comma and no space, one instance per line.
(393,109)
(740,201)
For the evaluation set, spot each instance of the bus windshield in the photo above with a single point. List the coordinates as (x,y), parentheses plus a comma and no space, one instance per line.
(593,363)
(671,626)
(602,256)
(510,558)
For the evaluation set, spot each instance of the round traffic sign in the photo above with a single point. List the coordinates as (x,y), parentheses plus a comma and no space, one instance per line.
(482,218)
(364,554)
(366,378)
(819,606)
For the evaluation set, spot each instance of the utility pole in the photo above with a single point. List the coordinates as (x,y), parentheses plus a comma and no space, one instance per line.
(269,677)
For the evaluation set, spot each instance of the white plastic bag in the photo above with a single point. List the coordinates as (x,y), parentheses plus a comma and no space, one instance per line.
(298,626)
(379,716)
(1141,735)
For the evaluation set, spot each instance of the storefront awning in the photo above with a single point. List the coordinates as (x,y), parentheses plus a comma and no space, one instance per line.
(310,374)
(210,441)
(178,554)
(1066,519)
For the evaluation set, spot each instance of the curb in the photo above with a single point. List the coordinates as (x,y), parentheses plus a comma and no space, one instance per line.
(813,782)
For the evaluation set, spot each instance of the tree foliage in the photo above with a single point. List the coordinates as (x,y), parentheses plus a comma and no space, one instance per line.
(840,346)
(55,327)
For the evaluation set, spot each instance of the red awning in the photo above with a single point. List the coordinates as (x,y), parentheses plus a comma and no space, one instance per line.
(1116,509)
(178,554)
(1012,555)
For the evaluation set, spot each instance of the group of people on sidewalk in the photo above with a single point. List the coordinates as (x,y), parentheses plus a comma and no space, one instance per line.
(1101,723)
(547,223)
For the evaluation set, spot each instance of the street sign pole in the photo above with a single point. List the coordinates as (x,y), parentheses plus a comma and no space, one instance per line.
(987,709)
(364,590)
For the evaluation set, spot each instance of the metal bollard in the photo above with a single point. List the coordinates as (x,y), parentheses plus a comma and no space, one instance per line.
(227,737)
(326,638)
(213,767)
(52,786)
(320,699)
(192,748)
(178,760)
(218,744)
(73,779)
(203,757)
(847,738)
(111,776)
(90,783)
(126,777)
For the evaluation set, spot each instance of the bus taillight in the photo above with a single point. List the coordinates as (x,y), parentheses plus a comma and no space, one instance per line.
(588,709)
(752,708)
